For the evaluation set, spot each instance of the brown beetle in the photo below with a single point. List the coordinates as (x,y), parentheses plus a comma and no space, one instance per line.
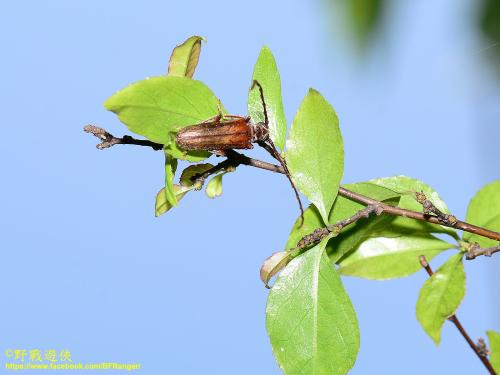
(224,132)
(221,133)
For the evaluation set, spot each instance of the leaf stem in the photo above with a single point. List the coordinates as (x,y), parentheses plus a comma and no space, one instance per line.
(453,318)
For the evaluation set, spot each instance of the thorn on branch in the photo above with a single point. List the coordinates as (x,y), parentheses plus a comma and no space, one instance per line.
(432,210)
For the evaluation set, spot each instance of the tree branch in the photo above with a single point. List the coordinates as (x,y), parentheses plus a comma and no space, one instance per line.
(478,349)
(475,250)
(235,158)
(109,140)
(318,234)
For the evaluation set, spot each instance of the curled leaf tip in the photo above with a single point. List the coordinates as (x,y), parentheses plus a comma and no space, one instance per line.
(272,265)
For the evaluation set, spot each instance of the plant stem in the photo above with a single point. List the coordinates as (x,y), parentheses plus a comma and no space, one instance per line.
(459,326)
(318,234)
(390,210)
(235,158)
(475,251)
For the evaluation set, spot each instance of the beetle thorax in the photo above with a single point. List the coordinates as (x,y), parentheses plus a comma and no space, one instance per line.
(259,132)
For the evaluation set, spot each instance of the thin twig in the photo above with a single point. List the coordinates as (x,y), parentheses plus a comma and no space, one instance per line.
(475,250)
(318,234)
(476,348)
(109,139)
(201,177)
(237,158)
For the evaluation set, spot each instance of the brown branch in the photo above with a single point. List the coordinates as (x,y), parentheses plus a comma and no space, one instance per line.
(390,210)
(109,139)
(237,158)
(318,234)
(478,349)
(475,250)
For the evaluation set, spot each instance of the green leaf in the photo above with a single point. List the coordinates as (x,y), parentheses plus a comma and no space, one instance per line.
(365,17)
(170,168)
(185,57)
(266,73)
(156,106)
(484,210)
(214,186)
(494,340)
(193,170)
(162,205)
(382,258)
(440,296)
(315,152)
(407,187)
(310,319)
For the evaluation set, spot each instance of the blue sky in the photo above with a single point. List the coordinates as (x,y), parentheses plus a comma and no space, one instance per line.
(89,268)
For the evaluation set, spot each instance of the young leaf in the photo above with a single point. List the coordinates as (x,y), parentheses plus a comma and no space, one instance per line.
(185,57)
(193,170)
(170,168)
(266,73)
(214,186)
(156,106)
(382,258)
(315,152)
(407,186)
(310,319)
(440,296)
(484,210)
(494,340)
(272,265)
(162,205)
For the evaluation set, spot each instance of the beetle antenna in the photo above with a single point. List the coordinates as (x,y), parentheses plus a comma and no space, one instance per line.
(271,148)
(256,83)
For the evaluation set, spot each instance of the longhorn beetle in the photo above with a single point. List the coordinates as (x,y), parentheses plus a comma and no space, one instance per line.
(224,132)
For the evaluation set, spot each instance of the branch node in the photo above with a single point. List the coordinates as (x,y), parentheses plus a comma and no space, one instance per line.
(431,210)
(379,210)
(482,349)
